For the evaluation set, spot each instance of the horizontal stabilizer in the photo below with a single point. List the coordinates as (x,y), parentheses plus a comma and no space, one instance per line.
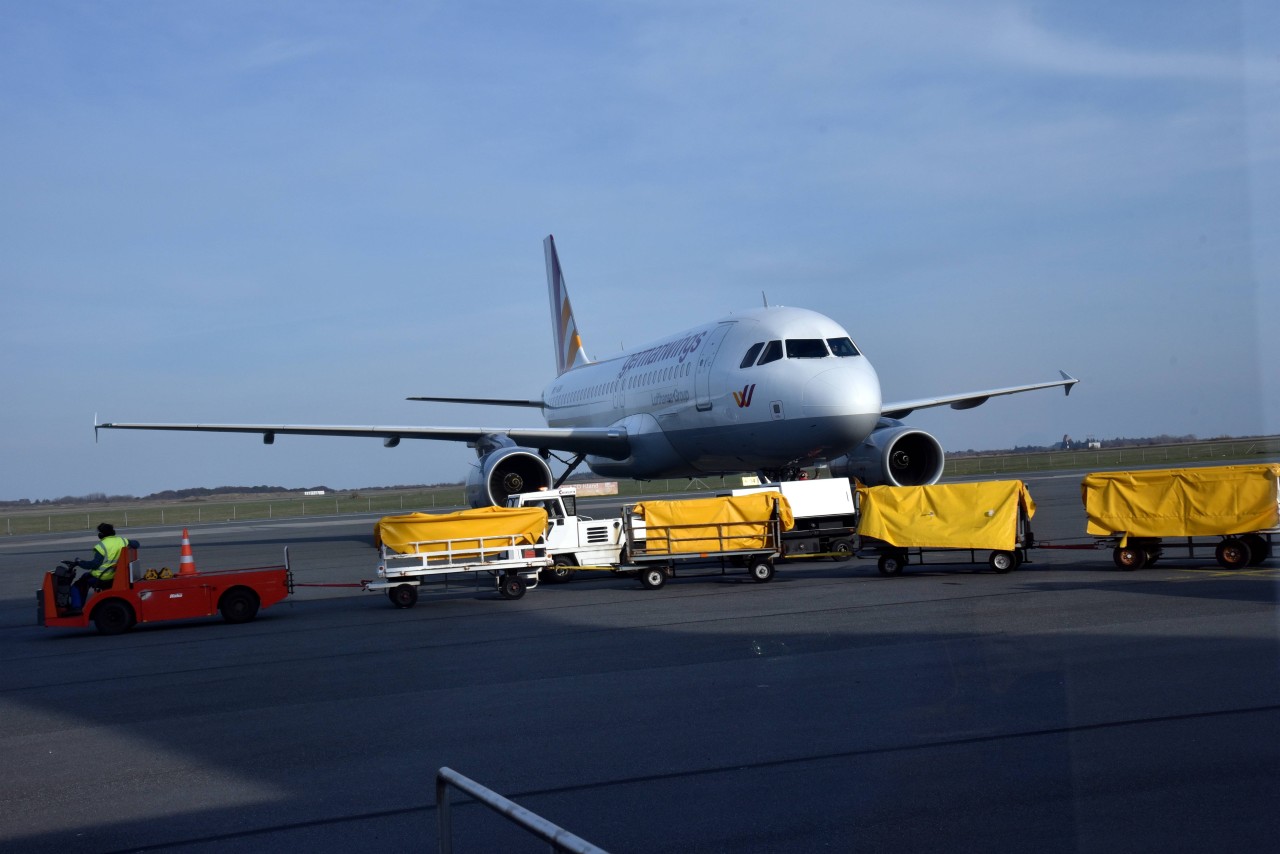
(484,401)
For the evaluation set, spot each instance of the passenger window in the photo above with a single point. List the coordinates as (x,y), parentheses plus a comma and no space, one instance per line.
(806,348)
(750,359)
(843,347)
(772,353)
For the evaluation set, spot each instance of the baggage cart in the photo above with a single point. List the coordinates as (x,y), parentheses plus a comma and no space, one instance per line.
(742,530)
(954,523)
(420,548)
(1229,513)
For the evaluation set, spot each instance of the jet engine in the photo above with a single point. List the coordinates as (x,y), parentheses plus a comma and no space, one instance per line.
(506,471)
(894,455)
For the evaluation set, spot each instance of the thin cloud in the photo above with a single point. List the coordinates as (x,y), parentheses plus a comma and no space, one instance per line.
(280,52)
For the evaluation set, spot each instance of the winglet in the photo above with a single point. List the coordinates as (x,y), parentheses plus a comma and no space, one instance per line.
(568,344)
(1070,382)
(95,428)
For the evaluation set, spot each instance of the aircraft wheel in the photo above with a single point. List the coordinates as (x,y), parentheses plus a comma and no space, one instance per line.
(652,577)
(561,571)
(511,586)
(891,563)
(1002,561)
(238,605)
(1233,553)
(113,617)
(1129,557)
(761,569)
(1259,548)
(403,595)
(841,551)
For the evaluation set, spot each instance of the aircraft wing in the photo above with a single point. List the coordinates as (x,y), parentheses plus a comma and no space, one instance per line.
(969,400)
(600,441)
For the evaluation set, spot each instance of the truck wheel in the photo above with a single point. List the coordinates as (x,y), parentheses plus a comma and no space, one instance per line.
(1002,561)
(561,571)
(1259,548)
(238,605)
(1129,557)
(652,577)
(1233,553)
(403,595)
(113,617)
(891,563)
(511,586)
(761,569)
(841,551)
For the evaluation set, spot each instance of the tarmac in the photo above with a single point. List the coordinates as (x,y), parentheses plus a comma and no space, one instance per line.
(1066,706)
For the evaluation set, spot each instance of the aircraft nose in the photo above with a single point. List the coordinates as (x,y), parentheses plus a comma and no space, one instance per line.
(849,391)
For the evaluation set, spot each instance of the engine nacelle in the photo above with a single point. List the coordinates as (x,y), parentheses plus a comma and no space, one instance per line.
(505,472)
(893,455)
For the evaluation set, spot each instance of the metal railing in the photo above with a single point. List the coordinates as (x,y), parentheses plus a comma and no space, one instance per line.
(558,838)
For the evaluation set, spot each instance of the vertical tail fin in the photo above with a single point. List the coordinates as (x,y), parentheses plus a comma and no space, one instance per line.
(569,352)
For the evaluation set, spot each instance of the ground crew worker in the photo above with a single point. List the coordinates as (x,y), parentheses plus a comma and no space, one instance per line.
(102,566)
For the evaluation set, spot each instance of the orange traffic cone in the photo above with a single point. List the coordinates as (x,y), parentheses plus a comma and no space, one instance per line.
(187,565)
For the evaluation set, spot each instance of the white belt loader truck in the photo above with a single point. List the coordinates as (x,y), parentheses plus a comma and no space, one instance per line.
(573,541)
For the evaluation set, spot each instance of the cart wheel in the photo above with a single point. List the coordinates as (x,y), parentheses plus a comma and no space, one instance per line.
(891,563)
(841,551)
(761,569)
(1002,561)
(1233,553)
(561,571)
(511,586)
(403,595)
(1259,548)
(1129,557)
(238,605)
(113,617)
(1153,554)
(653,577)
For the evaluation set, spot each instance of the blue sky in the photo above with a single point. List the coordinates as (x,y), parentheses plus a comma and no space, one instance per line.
(306,212)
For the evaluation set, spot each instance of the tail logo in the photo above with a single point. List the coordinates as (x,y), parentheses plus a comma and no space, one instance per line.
(569,352)
(743,398)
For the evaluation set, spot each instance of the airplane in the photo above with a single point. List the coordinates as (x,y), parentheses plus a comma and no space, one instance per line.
(769,390)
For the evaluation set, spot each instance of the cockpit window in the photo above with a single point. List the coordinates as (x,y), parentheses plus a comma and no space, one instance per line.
(750,359)
(843,347)
(772,353)
(807,348)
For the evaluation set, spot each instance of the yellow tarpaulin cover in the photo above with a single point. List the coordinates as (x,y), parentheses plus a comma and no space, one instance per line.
(727,523)
(1190,502)
(487,527)
(981,515)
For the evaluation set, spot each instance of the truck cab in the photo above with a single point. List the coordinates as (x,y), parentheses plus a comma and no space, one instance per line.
(573,541)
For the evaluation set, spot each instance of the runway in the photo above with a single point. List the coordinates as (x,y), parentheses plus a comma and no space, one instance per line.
(1067,706)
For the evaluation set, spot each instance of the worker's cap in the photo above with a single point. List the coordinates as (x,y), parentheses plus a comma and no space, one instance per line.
(106,529)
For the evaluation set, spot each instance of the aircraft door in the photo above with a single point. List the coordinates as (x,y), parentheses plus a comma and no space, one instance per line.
(702,372)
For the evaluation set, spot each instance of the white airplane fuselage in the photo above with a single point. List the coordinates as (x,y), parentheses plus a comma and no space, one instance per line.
(691,405)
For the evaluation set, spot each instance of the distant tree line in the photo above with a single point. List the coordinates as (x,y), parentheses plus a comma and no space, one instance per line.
(1069,444)
(198,492)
